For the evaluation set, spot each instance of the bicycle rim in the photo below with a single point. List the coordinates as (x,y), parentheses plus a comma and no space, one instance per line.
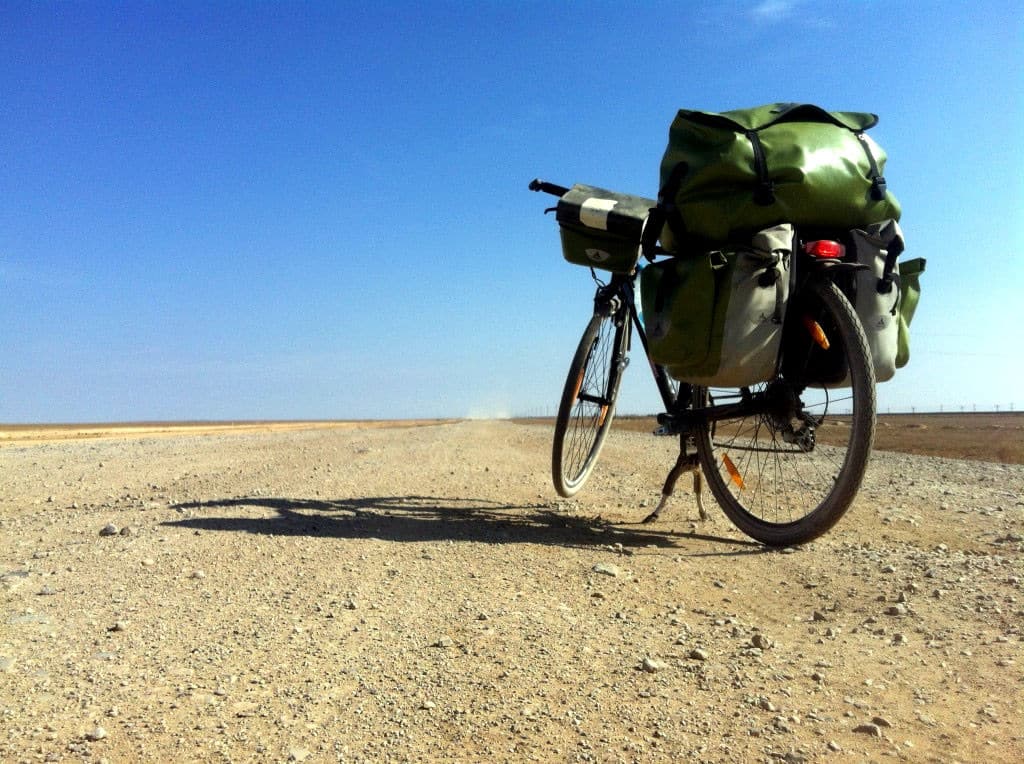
(588,402)
(788,475)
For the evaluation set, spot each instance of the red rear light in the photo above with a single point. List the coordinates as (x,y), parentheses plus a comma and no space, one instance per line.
(825,249)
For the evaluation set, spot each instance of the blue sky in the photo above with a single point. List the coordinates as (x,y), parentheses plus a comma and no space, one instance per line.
(319,210)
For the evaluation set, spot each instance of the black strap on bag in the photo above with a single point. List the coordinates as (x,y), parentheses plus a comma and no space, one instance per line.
(652,230)
(889,275)
(877,181)
(764,192)
(667,204)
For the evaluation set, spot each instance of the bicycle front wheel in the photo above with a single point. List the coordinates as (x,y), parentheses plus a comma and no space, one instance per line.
(588,401)
(788,473)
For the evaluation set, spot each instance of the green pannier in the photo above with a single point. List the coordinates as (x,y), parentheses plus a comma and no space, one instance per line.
(602,228)
(877,293)
(884,293)
(726,175)
(910,285)
(715,318)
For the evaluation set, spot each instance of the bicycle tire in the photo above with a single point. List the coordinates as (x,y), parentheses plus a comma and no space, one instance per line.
(587,406)
(783,494)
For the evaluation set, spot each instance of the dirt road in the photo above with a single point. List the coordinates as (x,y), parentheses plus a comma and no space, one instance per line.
(418,594)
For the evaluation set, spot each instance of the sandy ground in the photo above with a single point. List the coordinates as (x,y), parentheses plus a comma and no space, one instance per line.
(419,594)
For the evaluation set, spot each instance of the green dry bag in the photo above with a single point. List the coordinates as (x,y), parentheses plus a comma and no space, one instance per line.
(726,175)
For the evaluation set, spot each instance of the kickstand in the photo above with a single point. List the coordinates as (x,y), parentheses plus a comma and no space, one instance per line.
(685,463)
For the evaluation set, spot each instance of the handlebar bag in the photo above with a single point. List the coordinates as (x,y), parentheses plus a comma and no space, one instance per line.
(725,175)
(715,318)
(602,228)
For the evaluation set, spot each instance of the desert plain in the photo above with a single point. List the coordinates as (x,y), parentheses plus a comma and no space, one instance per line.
(417,592)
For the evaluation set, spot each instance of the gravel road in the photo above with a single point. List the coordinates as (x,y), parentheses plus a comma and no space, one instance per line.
(419,594)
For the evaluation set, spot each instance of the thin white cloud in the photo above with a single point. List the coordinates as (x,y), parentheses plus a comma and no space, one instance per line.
(773,11)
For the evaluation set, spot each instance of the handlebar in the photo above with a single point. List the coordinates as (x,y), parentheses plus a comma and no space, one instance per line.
(548,188)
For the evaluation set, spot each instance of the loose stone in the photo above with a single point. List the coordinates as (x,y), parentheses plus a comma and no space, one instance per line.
(652,666)
(607,569)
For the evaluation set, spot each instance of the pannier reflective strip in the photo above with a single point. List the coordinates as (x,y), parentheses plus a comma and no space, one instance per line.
(594,213)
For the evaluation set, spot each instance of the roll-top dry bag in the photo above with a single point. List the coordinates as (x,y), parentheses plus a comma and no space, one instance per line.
(726,175)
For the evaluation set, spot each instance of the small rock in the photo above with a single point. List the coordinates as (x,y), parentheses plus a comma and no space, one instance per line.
(607,569)
(898,609)
(761,641)
(443,643)
(119,626)
(652,666)
(881,721)
(698,654)
(817,615)
(127,531)
(889,569)
(834,746)
(96,733)
(899,639)
(781,723)
(428,705)
(297,754)
(109,530)
(868,729)
(198,574)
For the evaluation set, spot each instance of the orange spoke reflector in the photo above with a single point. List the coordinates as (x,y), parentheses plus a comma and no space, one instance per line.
(604,413)
(816,332)
(733,472)
(579,384)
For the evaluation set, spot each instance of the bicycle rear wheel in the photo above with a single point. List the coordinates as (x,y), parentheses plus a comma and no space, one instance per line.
(588,400)
(788,474)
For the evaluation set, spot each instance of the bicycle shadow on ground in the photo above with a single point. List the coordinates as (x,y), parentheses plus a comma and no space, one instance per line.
(432,518)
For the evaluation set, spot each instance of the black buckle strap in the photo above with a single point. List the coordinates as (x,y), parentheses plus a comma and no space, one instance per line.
(652,230)
(878,186)
(764,193)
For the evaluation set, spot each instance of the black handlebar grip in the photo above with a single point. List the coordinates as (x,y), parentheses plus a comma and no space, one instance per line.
(548,188)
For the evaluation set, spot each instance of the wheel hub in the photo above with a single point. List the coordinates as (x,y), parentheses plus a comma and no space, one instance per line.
(786,416)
